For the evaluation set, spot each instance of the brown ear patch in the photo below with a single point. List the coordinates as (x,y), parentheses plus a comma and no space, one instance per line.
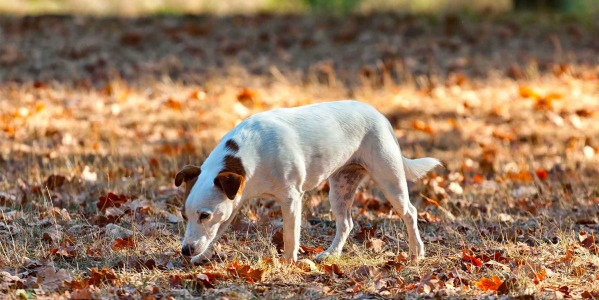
(229,183)
(187,173)
(231,179)
(232,146)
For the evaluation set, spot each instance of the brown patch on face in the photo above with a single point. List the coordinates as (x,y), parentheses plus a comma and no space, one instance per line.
(234,165)
(232,145)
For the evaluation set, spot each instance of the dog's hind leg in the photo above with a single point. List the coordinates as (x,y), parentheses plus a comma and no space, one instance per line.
(343,185)
(389,177)
(387,170)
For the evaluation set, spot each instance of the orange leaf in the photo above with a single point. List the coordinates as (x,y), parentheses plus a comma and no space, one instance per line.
(526,92)
(312,250)
(419,125)
(173,104)
(487,284)
(249,98)
(468,256)
(540,276)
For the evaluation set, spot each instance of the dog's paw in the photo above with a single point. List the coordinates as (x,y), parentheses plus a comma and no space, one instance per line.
(417,252)
(325,255)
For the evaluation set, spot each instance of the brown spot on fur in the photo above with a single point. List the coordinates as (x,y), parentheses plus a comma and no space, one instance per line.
(234,165)
(231,178)
(232,145)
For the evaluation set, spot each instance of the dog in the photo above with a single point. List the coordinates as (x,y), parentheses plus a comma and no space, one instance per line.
(281,154)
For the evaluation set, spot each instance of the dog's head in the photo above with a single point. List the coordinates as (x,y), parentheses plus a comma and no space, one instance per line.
(210,202)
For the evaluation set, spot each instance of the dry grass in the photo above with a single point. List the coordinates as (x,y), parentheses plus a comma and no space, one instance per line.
(109,97)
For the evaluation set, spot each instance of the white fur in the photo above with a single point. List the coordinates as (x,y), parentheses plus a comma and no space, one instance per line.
(286,152)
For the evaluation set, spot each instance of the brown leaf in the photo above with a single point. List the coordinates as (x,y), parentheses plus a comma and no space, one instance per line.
(248,273)
(331,269)
(102,276)
(487,284)
(52,234)
(589,244)
(366,233)
(198,280)
(83,294)
(375,244)
(54,181)
(507,286)
(53,280)
(120,244)
(398,263)
(427,284)
(569,258)
(278,240)
(64,252)
(590,295)
(111,200)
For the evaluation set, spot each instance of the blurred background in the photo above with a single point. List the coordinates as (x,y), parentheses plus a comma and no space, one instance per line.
(140,7)
(102,102)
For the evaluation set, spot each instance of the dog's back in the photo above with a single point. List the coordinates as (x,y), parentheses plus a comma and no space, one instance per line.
(314,140)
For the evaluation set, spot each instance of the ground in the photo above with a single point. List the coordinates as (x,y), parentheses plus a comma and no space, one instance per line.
(97,115)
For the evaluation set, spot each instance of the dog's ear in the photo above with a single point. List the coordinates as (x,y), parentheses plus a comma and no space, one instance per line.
(186,174)
(230,183)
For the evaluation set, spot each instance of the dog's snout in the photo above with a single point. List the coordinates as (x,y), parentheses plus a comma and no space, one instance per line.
(187,250)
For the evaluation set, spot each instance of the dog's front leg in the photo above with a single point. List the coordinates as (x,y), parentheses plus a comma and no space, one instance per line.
(291,207)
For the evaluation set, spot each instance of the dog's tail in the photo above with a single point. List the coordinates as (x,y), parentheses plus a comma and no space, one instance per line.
(417,168)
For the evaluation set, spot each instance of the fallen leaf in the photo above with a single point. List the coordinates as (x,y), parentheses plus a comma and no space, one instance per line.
(589,244)
(54,181)
(332,269)
(421,126)
(120,244)
(468,256)
(487,284)
(246,272)
(540,276)
(375,244)
(316,250)
(102,276)
(53,280)
(278,240)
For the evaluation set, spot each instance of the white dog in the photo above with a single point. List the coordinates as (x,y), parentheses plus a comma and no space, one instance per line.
(282,153)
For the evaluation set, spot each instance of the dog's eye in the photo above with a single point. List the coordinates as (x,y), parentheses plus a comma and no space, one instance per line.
(204,216)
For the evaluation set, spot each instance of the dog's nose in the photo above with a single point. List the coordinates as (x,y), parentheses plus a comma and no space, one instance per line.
(187,250)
